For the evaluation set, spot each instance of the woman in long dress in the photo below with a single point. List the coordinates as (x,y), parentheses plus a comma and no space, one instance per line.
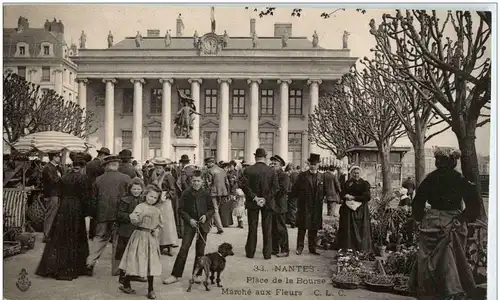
(354,223)
(442,271)
(65,254)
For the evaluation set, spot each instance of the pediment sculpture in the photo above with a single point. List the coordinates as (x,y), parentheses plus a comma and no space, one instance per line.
(210,44)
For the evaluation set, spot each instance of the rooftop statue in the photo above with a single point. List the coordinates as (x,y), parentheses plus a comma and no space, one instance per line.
(315,40)
(83,40)
(226,39)
(344,39)
(255,40)
(138,39)
(284,40)
(168,38)
(196,39)
(110,39)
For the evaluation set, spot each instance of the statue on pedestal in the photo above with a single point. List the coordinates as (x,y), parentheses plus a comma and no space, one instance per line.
(255,39)
(344,39)
(185,116)
(168,39)
(315,40)
(196,39)
(284,40)
(225,39)
(83,40)
(138,39)
(110,39)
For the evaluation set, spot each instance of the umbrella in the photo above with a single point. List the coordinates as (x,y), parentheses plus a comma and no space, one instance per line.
(51,141)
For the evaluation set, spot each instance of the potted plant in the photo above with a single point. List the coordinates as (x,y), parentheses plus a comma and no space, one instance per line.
(346,280)
(382,224)
(379,283)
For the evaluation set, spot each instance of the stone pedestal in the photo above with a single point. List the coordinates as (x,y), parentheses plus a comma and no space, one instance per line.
(188,147)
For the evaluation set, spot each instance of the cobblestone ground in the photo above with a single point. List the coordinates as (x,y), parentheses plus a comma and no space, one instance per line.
(238,276)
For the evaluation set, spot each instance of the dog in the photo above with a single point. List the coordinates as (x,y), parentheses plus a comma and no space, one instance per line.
(210,264)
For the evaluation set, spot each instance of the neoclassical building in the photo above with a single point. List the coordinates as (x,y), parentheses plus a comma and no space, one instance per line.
(250,92)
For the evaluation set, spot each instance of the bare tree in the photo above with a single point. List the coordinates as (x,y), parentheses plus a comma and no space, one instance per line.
(28,110)
(455,73)
(331,129)
(372,114)
(296,12)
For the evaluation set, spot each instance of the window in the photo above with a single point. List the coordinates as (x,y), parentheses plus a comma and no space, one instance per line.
(46,74)
(46,50)
(295,148)
(126,139)
(211,101)
(237,145)
(210,144)
(21,71)
(295,102)
(238,102)
(266,102)
(155,104)
(128,101)
(266,140)
(22,50)
(154,143)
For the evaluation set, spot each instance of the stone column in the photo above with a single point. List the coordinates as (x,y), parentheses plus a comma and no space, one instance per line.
(313,103)
(195,134)
(137,119)
(223,135)
(284,102)
(82,92)
(58,80)
(253,125)
(166,117)
(109,114)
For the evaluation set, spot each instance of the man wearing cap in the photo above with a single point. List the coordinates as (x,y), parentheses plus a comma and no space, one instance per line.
(218,186)
(279,230)
(93,170)
(51,179)
(260,184)
(309,189)
(107,190)
(126,166)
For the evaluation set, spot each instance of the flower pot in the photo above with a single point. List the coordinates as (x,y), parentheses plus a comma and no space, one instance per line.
(382,252)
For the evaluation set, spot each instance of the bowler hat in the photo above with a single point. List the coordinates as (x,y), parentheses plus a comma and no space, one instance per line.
(104,150)
(278,159)
(314,158)
(209,159)
(125,153)
(260,152)
(109,159)
(184,158)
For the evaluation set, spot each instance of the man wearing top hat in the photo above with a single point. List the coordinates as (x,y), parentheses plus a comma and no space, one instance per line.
(184,173)
(279,230)
(107,190)
(51,179)
(259,182)
(218,186)
(93,170)
(309,189)
(126,166)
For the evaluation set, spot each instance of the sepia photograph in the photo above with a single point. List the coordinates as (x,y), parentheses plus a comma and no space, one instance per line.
(244,151)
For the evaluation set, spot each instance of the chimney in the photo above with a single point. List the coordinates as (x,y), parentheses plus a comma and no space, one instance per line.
(153,33)
(22,23)
(180,26)
(252,26)
(281,28)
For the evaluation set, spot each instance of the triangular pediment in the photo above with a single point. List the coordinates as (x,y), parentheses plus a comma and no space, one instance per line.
(209,123)
(268,124)
(153,123)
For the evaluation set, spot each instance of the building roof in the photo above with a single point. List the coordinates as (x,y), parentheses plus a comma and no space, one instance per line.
(264,43)
(372,146)
(33,37)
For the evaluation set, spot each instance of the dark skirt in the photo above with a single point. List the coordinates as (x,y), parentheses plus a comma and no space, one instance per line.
(354,229)
(66,252)
(226,211)
(120,247)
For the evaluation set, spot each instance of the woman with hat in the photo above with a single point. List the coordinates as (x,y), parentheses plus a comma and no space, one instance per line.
(443,231)
(64,256)
(354,214)
(166,182)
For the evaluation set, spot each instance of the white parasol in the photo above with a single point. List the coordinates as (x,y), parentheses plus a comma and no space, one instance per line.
(51,141)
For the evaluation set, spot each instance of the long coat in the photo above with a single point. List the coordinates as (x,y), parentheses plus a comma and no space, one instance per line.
(218,184)
(332,187)
(309,195)
(259,180)
(108,189)
(281,197)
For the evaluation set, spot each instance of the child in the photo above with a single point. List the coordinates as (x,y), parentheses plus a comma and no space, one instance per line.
(142,254)
(125,229)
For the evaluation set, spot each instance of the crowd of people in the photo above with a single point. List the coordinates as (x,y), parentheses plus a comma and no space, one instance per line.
(144,211)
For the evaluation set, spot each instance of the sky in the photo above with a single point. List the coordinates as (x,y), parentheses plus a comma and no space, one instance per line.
(126,19)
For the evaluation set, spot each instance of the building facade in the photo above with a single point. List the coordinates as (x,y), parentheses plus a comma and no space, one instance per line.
(250,92)
(41,56)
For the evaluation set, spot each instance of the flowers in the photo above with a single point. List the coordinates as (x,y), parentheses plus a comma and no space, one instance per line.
(401,262)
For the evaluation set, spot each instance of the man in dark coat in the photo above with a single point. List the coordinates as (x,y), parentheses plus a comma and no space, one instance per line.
(126,166)
(309,189)
(93,170)
(409,184)
(292,202)
(260,184)
(218,185)
(107,190)
(279,231)
(332,191)
(51,179)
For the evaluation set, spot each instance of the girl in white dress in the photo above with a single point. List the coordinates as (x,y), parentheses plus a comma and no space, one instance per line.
(142,254)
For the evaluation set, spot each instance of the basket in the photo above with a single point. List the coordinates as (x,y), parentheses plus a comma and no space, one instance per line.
(379,288)
(11,248)
(345,285)
(36,211)
(401,290)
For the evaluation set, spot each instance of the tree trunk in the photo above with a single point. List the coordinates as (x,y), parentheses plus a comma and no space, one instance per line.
(419,149)
(384,153)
